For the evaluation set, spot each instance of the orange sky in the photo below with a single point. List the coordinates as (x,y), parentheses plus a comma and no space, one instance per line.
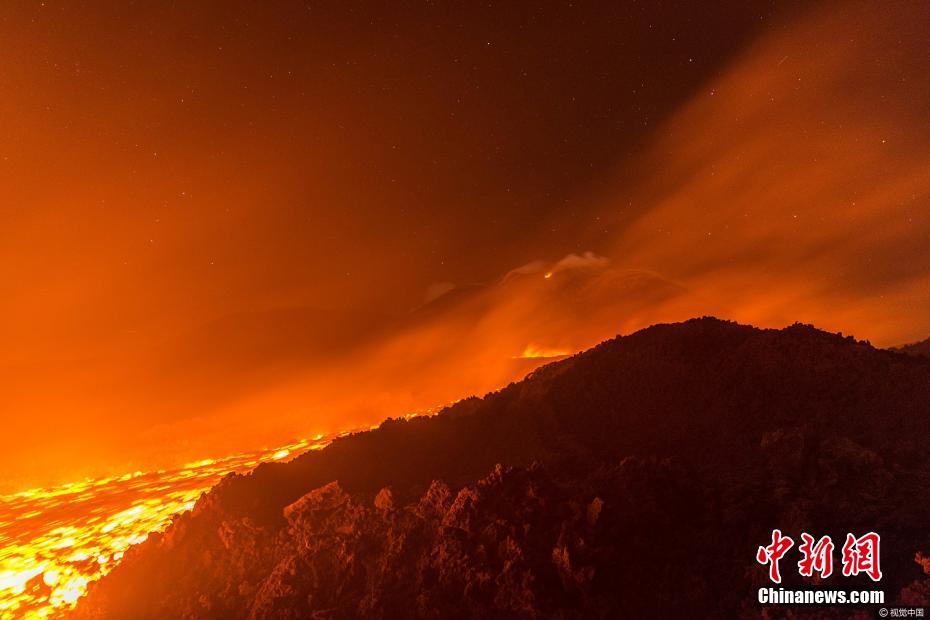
(220,225)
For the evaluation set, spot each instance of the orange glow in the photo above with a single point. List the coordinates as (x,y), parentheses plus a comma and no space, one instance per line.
(532,351)
(200,254)
(794,186)
(55,541)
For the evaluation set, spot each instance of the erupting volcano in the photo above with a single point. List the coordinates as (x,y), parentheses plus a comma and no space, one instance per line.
(227,225)
(636,464)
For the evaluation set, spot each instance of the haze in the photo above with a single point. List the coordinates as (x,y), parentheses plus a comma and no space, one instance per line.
(226,225)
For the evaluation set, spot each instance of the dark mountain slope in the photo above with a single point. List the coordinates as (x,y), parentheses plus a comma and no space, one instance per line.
(638,477)
(915,348)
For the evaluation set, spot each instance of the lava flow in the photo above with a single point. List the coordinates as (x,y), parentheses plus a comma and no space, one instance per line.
(55,541)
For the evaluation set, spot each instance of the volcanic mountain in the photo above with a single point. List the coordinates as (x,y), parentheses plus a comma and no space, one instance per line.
(638,477)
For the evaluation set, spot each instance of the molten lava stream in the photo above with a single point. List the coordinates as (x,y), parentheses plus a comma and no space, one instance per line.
(55,541)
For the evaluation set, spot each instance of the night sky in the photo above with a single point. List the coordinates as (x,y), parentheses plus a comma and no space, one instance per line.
(230,223)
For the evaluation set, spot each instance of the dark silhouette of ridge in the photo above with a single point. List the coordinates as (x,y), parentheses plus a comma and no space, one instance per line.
(638,477)
(915,348)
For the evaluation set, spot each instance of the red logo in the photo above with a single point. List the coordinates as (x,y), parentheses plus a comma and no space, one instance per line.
(815,557)
(859,555)
(773,553)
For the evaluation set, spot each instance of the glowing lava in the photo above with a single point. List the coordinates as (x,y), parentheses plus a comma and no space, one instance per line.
(533,351)
(55,541)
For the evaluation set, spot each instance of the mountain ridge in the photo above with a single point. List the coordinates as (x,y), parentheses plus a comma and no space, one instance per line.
(755,429)
(921,347)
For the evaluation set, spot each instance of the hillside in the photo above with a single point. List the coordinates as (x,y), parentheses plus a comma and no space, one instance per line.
(638,477)
(915,348)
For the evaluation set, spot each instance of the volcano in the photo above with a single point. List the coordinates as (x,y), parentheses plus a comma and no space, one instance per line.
(637,477)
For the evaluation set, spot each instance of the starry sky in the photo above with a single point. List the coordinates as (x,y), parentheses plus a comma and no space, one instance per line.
(228,223)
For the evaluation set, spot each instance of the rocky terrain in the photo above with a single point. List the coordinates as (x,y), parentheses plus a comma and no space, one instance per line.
(916,348)
(636,478)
